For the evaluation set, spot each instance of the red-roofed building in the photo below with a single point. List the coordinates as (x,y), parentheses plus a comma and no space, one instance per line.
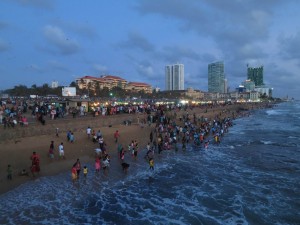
(103,81)
(114,81)
(138,86)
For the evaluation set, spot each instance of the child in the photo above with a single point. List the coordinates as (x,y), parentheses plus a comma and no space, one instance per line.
(9,172)
(151,164)
(85,171)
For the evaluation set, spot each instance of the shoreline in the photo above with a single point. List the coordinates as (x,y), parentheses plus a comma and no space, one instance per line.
(17,151)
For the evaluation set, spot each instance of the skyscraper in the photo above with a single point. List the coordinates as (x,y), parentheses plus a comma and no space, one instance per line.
(216,77)
(174,77)
(256,74)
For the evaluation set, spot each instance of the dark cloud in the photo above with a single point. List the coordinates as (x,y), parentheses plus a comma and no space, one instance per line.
(59,41)
(41,4)
(137,41)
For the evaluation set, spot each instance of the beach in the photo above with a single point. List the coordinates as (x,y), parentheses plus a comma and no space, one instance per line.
(18,144)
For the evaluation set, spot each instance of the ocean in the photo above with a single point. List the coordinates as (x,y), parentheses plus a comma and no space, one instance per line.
(252,177)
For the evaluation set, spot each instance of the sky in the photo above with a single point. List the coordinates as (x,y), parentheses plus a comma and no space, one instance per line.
(60,40)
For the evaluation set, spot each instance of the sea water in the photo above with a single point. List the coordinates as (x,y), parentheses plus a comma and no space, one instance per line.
(252,177)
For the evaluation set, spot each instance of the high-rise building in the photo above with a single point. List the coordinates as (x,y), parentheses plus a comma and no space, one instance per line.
(174,77)
(54,84)
(216,77)
(256,74)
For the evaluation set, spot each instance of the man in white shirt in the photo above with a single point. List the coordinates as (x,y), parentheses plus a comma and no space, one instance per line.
(88,132)
(61,151)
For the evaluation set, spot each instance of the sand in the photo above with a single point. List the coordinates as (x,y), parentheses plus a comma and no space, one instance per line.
(17,144)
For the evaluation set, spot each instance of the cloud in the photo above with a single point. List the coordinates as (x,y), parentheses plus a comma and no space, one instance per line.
(290,46)
(54,65)
(80,28)
(145,70)
(4,46)
(137,41)
(42,4)
(177,53)
(57,38)
(99,68)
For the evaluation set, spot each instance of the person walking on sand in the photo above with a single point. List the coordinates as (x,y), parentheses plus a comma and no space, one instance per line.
(51,150)
(116,136)
(35,163)
(88,132)
(9,172)
(61,151)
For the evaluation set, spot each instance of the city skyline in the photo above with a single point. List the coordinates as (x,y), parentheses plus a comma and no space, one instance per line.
(46,40)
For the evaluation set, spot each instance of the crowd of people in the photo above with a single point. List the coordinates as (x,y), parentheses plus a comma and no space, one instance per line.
(172,128)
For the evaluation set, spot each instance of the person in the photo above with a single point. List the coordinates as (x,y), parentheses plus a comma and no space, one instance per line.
(57,132)
(101,142)
(88,132)
(61,150)
(35,163)
(151,137)
(74,173)
(106,163)
(97,164)
(72,137)
(136,146)
(68,135)
(51,150)
(94,136)
(9,172)
(116,135)
(77,165)
(85,171)
(151,164)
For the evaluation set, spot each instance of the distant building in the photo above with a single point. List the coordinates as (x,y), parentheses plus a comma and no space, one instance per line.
(216,78)
(256,74)
(174,75)
(249,85)
(54,84)
(108,81)
(194,94)
(138,86)
(264,91)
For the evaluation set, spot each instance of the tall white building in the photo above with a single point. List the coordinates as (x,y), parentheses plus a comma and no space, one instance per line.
(174,77)
(54,84)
